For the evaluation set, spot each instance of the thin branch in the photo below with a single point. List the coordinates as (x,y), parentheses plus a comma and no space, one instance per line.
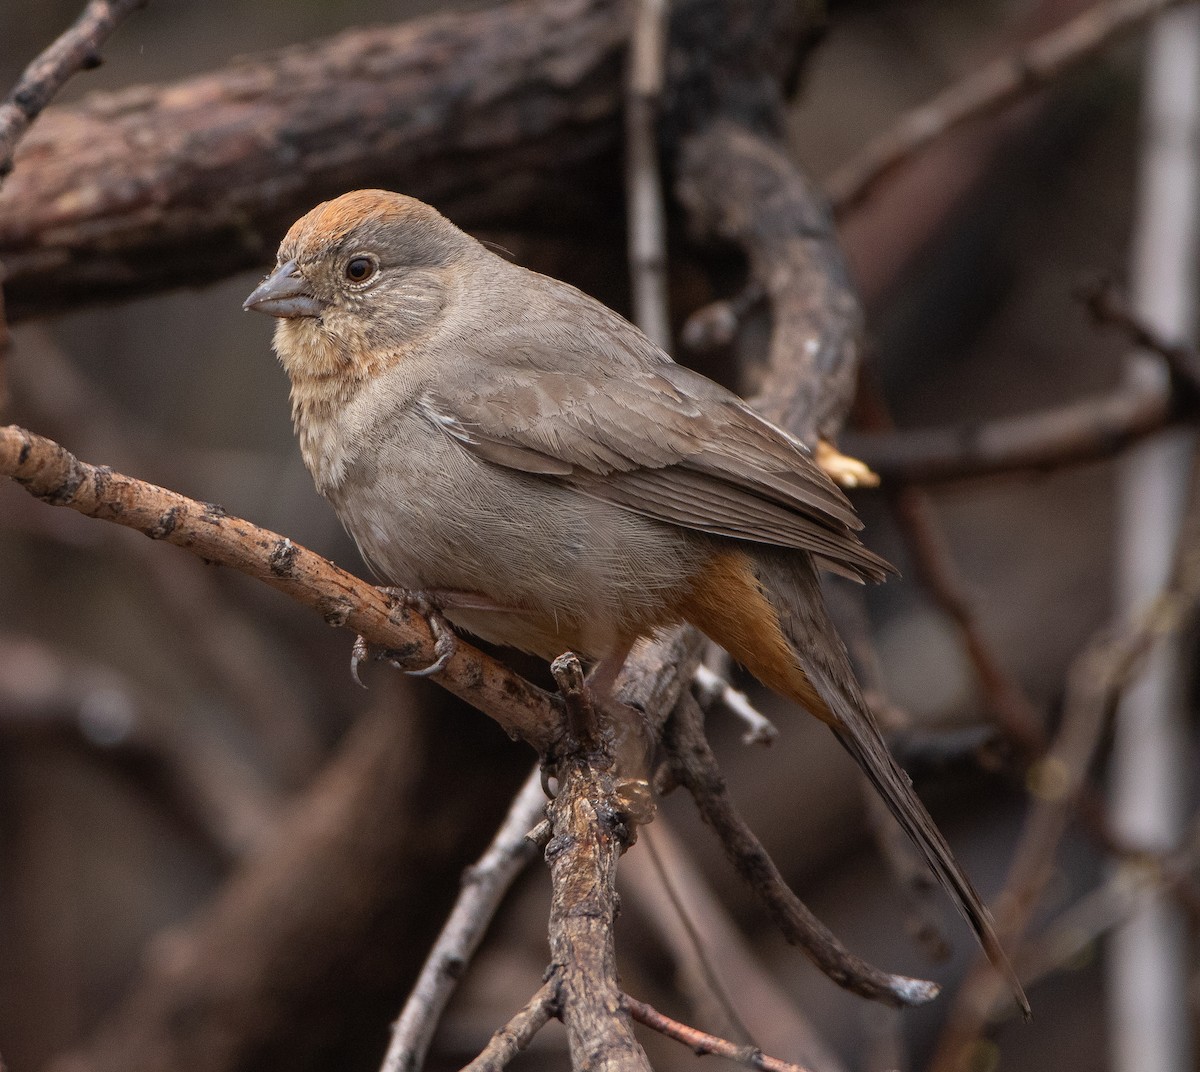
(913,510)
(518,1033)
(695,768)
(484,887)
(712,954)
(1098,675)
(1088,430)
(647,230)
(49,472)
(1108,307)
(691,949)
(990,88)
(76,50)
(712,688)
(702,1043)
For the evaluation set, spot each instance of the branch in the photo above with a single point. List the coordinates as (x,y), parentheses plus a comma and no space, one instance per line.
(988,89)
(695,768)
(483,113)
(484,887)
(76,50)
(1098,675)
(1083,431)
(589,834)
(49,472)
(1109,308)
(518,1033)
(913,510)
(702,1043)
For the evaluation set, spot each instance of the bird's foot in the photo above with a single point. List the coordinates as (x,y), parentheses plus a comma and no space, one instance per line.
(843,470)
(444,640)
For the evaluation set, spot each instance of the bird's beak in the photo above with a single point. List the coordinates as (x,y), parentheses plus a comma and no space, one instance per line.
(284,293)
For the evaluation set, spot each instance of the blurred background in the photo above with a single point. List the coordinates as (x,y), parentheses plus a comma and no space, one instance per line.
(171,733)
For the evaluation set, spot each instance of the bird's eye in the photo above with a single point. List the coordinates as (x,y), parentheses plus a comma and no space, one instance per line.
(360,269)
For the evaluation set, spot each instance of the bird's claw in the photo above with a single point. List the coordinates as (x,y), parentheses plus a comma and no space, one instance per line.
(843,470)
(444,640)
(359,654)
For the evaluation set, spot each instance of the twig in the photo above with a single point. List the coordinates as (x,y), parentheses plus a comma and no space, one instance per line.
(704,970)
(712,688)
(515,1035)
(702,1043)
(1012,710)
(988,89)
(647,231)
(697,928)
(49,472)
(76,50)
(1097,676)
(1108,307)
(695,768)
(1084,431)
(484,887)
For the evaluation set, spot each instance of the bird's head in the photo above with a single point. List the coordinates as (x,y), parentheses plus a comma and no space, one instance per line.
(358,280)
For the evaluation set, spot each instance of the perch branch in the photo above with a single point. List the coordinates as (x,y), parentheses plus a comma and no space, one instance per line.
(994,86)
(702,1043)
(49,472)
(78,49)
(589,833)
(695,768)
(484,887)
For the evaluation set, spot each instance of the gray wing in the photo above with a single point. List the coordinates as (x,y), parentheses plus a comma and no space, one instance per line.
(664,442)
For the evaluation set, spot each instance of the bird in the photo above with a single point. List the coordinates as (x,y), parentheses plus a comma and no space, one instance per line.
(531,464)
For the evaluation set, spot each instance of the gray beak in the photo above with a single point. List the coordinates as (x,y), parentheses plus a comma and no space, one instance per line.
(284,293)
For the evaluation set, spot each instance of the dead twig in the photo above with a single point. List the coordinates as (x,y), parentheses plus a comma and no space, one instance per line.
(76,50)
(712,688)
(1098,675)
(702,1043)
(695,768)
(724,980)
(518,1033)
(985,90)
(51,473)
(1088,430)
(1109,308)
(484,887)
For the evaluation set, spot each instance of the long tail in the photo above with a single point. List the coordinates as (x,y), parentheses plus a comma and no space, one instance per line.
(767,611)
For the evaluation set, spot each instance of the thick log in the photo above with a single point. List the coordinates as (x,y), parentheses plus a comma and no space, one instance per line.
(483,114)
